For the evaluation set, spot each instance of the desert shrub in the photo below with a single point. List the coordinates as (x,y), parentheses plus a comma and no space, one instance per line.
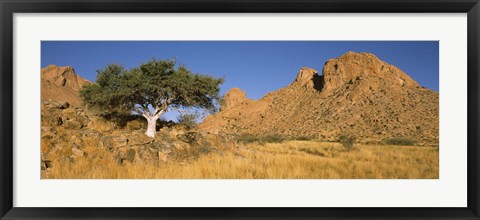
(189,121)
(189,137)
(399,141)
(246,138)
(272,139)
(347,141)
(304,138)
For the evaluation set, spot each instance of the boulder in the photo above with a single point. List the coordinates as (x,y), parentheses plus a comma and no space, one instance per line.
(76,153)
(64,105)
(100,124)
(112,142)
(138,139)
(162,156)
(47,132)
(161,145)
(147,154)
(76,142)
(137,124)
(72,125)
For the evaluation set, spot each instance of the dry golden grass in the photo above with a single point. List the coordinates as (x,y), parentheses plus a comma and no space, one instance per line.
(288,160)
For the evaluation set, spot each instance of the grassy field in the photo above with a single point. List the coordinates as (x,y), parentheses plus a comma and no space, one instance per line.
(287,160)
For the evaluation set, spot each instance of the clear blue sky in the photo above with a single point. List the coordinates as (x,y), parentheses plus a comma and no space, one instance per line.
(257,67)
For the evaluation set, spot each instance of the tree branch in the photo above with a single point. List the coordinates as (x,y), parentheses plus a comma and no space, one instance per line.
(138,111)
(157,109)
(157,116)
(179,110)
(145,108)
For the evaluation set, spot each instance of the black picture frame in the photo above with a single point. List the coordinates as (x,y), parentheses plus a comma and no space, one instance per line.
(9,7)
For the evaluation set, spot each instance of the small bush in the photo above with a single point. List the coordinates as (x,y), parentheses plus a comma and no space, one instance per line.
(399,141)
(189,137)
(304,138)
(248,138)
(189,121)
(347,141)
(272,139)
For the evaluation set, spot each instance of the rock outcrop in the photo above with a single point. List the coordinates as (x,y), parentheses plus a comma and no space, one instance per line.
(61,84)
(308,78)
(357,94)
(362,66)
(235,97)
(63,76)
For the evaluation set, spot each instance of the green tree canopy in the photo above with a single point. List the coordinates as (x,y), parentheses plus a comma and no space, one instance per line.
(151,89)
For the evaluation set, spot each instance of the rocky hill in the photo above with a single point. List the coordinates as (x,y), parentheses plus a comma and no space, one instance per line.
(61,84)
(357,94)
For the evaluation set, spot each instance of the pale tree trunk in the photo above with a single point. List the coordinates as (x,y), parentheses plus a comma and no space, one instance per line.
(152,122)
(151,129)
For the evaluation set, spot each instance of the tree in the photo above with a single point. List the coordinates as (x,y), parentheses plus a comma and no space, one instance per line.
(150,90)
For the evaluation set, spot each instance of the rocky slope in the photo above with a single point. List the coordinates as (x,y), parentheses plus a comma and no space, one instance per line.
(357,94)
(71,132)
(61,84)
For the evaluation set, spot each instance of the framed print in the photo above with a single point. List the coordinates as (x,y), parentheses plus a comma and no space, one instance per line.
(231,109)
